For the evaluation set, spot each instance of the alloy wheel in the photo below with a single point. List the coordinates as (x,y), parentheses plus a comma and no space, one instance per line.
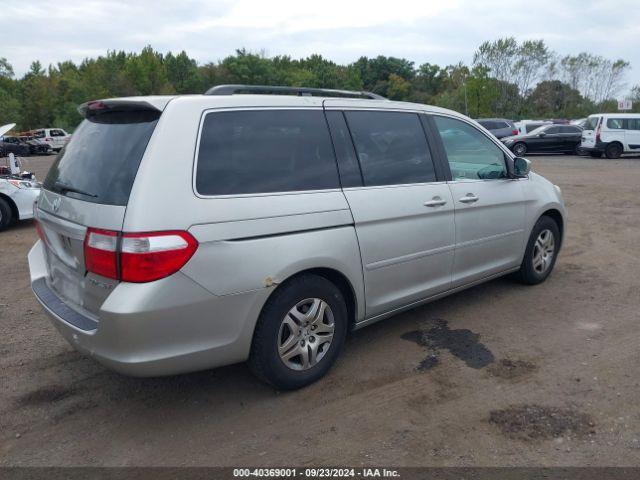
(306,333)
(520,150)
(543,251)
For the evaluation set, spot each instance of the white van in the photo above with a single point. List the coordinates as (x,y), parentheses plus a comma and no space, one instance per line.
(612,134)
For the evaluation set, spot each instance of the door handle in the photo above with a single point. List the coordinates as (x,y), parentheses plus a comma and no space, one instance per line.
(469,198)
(435,202)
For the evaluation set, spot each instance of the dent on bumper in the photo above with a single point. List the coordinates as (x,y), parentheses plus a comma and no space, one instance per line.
(161,328)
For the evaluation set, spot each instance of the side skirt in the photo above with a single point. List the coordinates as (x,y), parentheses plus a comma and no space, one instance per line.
(395,311)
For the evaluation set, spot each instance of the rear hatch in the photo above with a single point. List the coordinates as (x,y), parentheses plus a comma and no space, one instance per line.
(589,132)
(89,186)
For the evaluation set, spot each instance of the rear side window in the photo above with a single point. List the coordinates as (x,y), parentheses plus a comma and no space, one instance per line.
(391,147)
(57,133)
(100,162)
(265,151)
(634,124)
(615,123)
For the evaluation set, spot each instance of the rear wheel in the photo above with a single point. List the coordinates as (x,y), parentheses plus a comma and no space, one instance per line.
(299,333)
(540,255)
(613,150)
(519,149)
(6,215)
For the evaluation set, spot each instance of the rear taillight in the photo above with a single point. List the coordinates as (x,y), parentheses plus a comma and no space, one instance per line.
(100,252)
(514,131)
(146,257)
(137,257)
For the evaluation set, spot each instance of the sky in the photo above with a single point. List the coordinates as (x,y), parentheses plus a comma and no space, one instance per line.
(435,31)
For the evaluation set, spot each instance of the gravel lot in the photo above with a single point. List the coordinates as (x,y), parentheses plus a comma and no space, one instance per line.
(501,374)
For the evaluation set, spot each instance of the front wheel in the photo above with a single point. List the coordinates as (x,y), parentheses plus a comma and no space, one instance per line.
(613,150)
(300,332)
(541,253)
(520,149)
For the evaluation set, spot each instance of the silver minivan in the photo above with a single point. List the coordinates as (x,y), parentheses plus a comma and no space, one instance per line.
(180,233)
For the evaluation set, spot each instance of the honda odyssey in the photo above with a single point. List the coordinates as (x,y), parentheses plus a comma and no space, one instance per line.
(261,224)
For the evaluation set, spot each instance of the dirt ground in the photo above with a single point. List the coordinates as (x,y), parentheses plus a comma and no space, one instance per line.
(501,374)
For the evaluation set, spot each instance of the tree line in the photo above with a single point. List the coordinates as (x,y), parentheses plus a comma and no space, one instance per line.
(505,79)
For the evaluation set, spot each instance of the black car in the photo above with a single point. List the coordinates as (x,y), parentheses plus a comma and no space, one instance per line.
(13,145)
(546,139)
(36,147)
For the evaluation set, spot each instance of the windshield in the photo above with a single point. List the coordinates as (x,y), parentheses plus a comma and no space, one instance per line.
(591,123)
(101,160)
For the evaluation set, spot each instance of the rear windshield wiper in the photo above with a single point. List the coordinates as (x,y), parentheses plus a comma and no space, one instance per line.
(63,188)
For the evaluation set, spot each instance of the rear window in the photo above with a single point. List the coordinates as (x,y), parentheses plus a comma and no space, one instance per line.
(591,123)
(100,162)
(265,151)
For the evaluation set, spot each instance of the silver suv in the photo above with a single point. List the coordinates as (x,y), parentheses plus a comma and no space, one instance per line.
(181,233)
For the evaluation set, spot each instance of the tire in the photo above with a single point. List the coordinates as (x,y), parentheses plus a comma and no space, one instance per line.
(595,154)
(537,265)
(6,215)
(519,149)
(287,310)
(613,150)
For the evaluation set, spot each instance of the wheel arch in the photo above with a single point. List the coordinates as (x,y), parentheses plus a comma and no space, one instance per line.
(339,279)
(557,217)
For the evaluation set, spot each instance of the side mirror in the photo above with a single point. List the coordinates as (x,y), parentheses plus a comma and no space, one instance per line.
(542,134)
(521,167)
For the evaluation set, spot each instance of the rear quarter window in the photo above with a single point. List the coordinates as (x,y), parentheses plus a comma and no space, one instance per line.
(265,151)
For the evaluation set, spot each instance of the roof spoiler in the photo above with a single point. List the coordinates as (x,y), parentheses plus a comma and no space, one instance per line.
(282,90)
(126,103)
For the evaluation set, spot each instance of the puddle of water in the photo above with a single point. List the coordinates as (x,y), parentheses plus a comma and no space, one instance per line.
(462,343)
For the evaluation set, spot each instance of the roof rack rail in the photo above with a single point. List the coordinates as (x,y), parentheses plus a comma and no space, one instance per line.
(300,91)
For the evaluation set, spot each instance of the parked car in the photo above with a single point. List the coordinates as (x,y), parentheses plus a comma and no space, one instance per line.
(18,191)
(546,139)
(499,127)
(9,144)
(292,219)
(55,137)
(527,126)
(612,134)
(36,147)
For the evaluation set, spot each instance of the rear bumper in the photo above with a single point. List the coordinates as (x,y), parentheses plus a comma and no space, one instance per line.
(160,328)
